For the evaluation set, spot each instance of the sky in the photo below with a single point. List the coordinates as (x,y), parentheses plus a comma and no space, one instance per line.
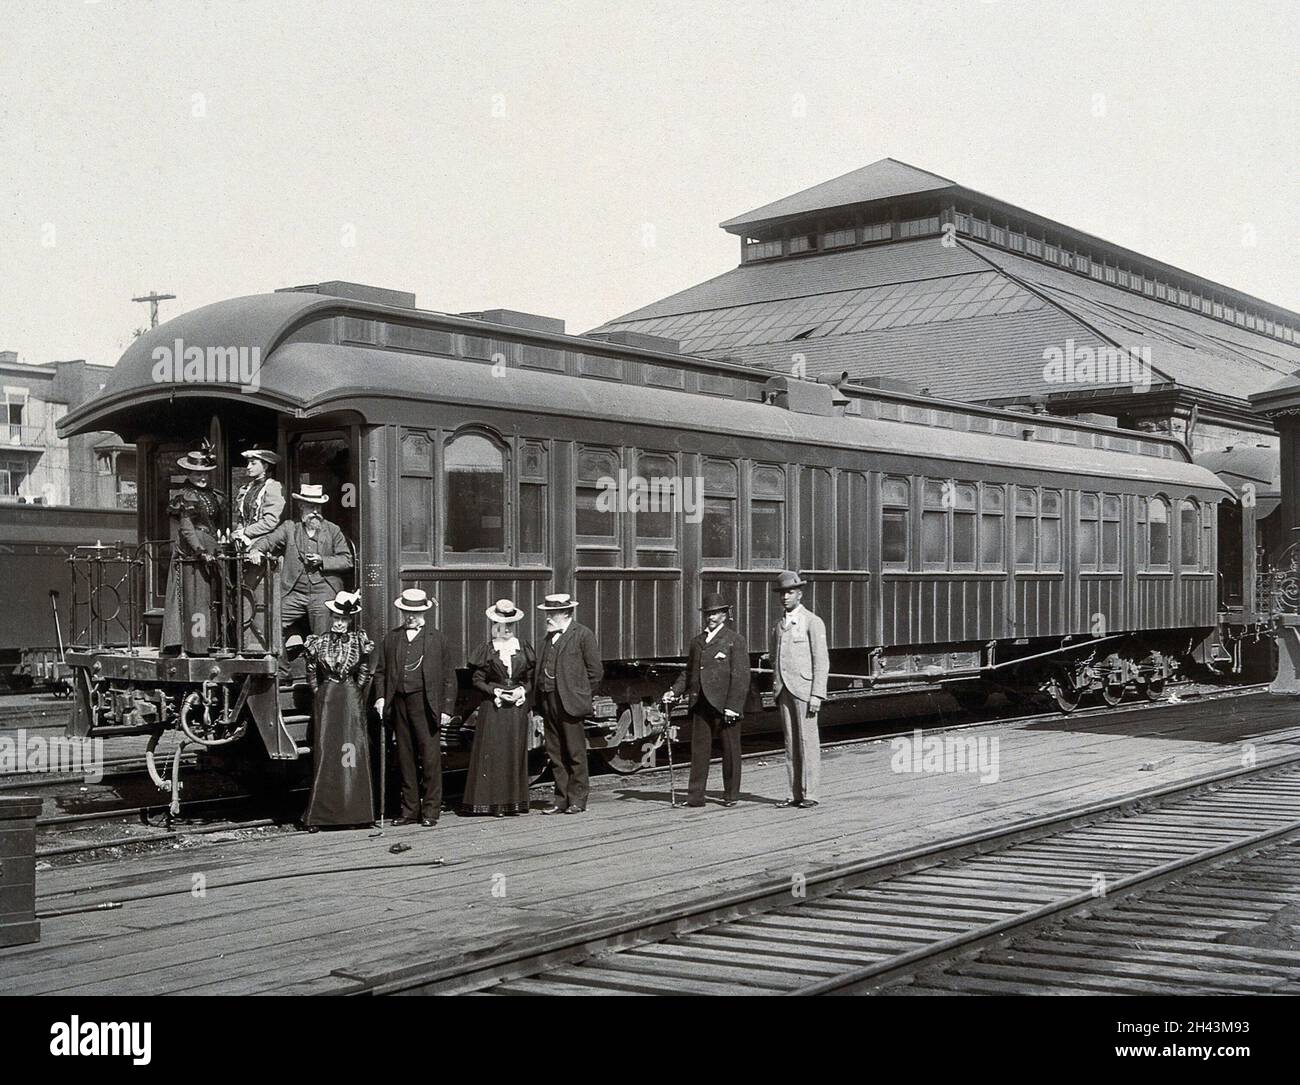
(574,159)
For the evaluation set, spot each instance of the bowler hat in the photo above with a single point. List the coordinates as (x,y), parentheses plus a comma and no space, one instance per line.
(788,580)
(714,601)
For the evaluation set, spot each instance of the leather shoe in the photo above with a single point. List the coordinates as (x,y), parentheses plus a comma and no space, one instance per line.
(808,804)
(728,802)
(788,802)
(428,823)
(576,810)
(693,805)
(402,821)
(557,809)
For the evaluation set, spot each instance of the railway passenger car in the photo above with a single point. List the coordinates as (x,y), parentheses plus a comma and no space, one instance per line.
(946,546)
(35,543)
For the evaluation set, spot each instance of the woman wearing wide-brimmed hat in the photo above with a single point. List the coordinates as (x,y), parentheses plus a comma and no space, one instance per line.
(502,668)
(198,511)
(338,671)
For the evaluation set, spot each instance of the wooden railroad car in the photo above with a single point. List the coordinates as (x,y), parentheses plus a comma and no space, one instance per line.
(494,456)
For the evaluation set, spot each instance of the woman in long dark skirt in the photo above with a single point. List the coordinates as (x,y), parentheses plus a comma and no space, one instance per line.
(338,671)
(498,764)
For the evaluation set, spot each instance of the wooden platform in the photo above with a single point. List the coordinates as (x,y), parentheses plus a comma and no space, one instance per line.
(314,910)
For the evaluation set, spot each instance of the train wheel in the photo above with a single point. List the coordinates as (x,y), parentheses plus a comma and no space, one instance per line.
(632,756)
(1112,692)
(1154,688)
(1065,693)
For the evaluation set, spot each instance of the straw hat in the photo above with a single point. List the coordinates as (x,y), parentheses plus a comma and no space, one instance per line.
(504,610)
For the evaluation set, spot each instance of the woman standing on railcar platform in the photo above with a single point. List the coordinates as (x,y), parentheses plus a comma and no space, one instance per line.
(502,668)
(198,510)
(338,671)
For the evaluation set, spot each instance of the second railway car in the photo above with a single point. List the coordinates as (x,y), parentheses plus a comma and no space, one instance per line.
(946,546)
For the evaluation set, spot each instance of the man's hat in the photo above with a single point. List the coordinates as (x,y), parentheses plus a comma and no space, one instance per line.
(264,454)
(714,601)
(504,610)
(345,603)
(788,580)
(559,601)
(199,459)
(414,599)
(312,493)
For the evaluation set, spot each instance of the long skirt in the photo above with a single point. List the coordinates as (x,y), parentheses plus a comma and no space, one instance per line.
(498,764)
(341,788)
(187,608)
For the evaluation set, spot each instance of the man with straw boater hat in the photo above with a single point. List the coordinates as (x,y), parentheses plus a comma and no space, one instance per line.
(415,687)
(800,668)
(716,684)
(568,669)
(316,554)
(259,505)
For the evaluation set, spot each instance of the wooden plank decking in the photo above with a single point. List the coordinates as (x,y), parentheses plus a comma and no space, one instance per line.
(314,905)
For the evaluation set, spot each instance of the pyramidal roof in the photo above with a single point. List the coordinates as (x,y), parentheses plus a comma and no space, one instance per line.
(879,181)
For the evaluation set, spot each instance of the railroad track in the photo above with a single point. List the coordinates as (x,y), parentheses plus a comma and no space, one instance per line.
(862,927)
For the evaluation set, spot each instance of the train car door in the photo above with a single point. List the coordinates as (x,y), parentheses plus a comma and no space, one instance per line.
(327,458)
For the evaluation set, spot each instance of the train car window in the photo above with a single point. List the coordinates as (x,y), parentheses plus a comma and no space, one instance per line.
(533,477)
(767,515)
(1110,519)
(1153,533)
(853,537)
(597,468)
(934,525)
(656,524)
(1208,517)
(718,544)
(992,518)
(963,526)
(416,493)
(1189,535)
(1026,528)
(1089,531)
(817,518)
(1049,531)
(474,488)
(895,500)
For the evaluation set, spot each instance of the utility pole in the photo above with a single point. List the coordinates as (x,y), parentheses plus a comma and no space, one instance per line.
(153,298)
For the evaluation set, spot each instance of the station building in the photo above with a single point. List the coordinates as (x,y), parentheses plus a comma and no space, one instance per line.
(896,276)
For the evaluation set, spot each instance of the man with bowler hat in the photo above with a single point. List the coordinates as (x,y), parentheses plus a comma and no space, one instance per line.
(415,686)
(716,683)
(800,667)
(568,669)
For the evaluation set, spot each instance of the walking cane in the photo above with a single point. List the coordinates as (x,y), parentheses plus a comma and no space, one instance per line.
(668,741)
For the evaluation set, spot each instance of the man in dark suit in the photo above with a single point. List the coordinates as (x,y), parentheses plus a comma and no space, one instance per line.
(568,668)
(316,553)
(415,686)
(716,684)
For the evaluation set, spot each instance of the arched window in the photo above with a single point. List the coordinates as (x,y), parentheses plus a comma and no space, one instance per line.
(1153,532)
(474,473)
(895,501)
(767,516)
(718,545)
(1189,534)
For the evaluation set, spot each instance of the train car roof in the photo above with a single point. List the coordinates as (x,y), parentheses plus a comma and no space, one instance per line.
(305,378)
